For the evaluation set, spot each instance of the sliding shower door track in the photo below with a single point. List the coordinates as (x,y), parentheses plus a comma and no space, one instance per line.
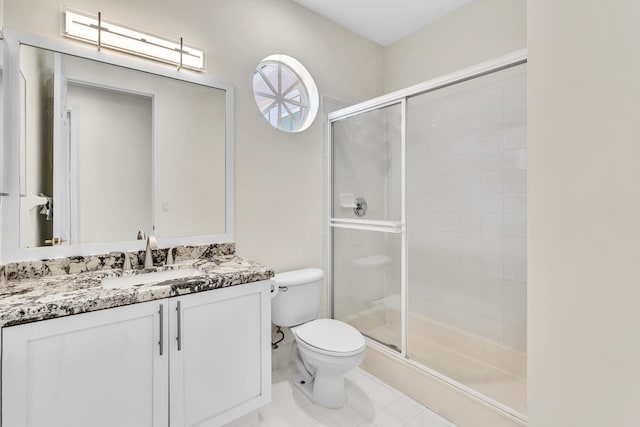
(388,346)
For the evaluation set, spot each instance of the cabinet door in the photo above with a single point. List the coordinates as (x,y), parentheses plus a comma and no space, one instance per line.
(220,365)
(98,369)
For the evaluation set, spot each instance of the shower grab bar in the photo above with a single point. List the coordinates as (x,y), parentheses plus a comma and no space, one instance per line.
(366,222)
(391,230)
(381,226)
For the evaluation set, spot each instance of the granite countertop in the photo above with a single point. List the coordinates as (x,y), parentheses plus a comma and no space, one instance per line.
(32,299)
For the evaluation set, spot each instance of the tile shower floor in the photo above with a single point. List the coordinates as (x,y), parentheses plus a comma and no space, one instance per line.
(370,402)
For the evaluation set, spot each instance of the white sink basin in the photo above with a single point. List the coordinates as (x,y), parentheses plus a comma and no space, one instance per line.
(129,280)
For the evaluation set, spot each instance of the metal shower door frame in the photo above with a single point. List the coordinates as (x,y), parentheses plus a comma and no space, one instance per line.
(392,227)
(402,96)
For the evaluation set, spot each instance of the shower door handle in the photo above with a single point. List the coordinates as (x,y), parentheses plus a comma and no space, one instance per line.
(369,225)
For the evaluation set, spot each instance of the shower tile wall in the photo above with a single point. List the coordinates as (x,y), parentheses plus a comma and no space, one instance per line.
(466,207)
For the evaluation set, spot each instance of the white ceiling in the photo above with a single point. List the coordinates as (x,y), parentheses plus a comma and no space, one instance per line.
(383,21)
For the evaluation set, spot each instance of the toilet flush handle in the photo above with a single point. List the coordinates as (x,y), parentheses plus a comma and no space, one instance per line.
(275,289)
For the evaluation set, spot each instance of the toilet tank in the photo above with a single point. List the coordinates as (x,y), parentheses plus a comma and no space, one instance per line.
(298,298)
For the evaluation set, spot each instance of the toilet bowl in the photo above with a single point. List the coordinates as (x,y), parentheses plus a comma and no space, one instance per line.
(325,348)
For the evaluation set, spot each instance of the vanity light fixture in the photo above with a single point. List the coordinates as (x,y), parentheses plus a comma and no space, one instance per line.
(105,33)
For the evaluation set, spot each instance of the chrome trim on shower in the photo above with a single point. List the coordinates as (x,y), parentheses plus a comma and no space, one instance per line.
(361,207)
(404,249)
(367,225)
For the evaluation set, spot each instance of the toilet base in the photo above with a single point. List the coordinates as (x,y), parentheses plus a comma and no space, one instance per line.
(327,391)
(320,374)
(304,385)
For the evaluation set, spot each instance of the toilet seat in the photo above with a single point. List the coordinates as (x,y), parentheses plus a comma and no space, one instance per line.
(331,337)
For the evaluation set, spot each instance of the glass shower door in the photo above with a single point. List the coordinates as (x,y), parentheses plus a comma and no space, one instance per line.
(466,223)
(367,223)
(428,227)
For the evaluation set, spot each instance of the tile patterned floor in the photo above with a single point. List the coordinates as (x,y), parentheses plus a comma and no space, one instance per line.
(370,402)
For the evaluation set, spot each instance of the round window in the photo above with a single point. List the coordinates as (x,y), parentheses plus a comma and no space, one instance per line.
(285,93)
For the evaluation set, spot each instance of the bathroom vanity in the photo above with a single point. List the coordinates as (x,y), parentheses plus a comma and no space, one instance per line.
(99,150)
(182,352)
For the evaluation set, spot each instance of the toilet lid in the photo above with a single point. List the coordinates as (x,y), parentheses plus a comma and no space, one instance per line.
(331,335)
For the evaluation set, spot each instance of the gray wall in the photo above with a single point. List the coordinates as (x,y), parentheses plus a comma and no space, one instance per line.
(584,210)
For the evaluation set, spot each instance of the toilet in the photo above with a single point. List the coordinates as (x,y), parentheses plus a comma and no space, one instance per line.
(325,348)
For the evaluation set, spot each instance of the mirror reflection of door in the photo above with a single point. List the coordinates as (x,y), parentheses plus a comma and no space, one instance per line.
(61,227)
(37,71)
(88,174)
(109,151)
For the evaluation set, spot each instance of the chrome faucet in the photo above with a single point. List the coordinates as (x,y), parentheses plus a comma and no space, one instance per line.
(148,256)
(126,264)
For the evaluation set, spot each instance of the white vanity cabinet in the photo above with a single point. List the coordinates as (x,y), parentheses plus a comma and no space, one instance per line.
(99,369)
(204,358)
(220,363)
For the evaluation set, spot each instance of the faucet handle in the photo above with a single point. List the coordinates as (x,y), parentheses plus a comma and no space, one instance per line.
(170,259)
(127,261)
(152,243)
